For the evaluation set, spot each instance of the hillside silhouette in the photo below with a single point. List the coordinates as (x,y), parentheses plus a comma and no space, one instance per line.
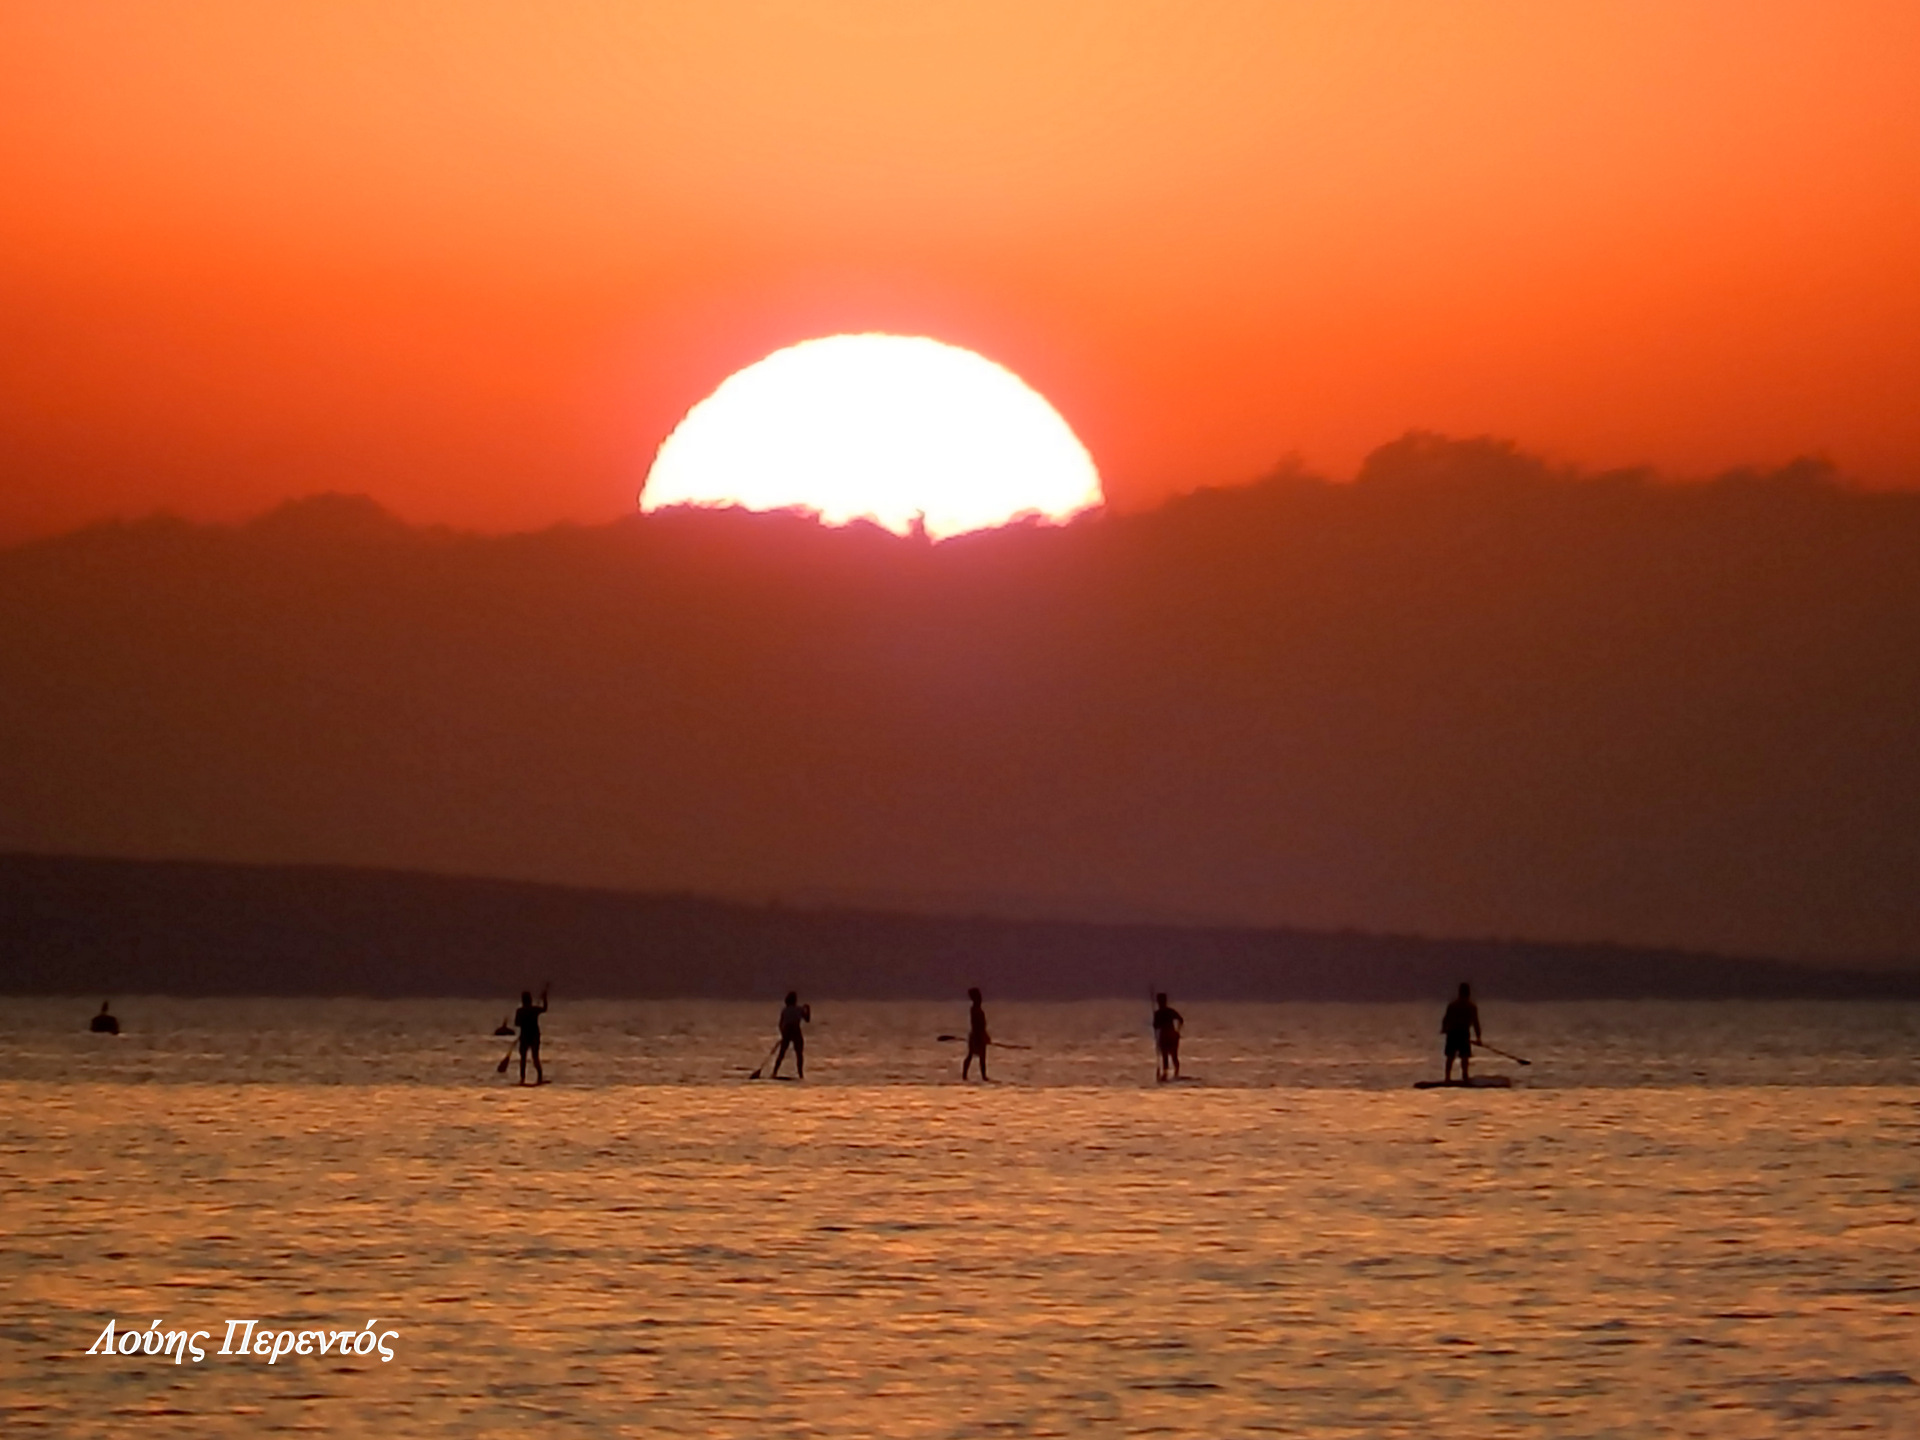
(1466,694)
(86,926)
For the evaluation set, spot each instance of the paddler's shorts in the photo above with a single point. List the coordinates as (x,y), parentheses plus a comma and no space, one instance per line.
(1459,1042)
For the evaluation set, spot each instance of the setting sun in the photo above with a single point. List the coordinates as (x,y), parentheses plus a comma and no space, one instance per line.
(888,428)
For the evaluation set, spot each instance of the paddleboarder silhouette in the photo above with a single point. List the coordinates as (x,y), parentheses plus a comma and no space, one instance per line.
(977,1037)
(1461,1027)
(792,1015)
(527,1020)
(1166,1038)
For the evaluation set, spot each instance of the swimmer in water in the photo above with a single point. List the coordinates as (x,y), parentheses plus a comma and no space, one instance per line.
(792,1014)
(977,1037)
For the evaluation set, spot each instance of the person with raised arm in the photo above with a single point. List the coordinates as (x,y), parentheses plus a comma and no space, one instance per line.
(527,1021)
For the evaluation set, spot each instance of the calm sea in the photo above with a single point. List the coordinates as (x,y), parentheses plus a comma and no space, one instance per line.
(1682,1220)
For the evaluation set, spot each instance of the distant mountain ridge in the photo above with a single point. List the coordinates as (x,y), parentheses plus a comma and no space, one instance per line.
(1469,693)
(83,926)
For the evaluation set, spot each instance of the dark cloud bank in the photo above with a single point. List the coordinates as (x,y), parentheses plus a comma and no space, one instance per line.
(1463,696)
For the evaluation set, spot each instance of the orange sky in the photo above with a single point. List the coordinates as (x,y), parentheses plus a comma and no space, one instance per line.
(476,259)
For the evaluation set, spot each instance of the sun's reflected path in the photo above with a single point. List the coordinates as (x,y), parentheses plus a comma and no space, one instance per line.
(901,430)
(926,1261)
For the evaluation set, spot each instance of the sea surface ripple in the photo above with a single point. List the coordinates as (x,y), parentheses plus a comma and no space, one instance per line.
(865,1256)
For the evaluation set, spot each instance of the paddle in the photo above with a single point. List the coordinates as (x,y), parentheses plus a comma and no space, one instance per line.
(1004,1045)
(1506,1054)
(763,1064)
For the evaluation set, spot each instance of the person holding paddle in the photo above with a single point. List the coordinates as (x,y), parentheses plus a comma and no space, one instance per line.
(527,1021)
(1461,1026)
(977,1037)
(792,1014)
(1166,1037)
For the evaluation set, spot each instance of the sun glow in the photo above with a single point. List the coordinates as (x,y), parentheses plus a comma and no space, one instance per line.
(890,428)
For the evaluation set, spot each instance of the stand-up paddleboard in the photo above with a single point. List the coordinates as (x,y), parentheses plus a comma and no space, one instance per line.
(1478,1082)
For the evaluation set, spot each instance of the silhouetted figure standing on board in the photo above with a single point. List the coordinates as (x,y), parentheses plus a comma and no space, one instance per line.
(792,1015)
(527,1021)
(104,1023)
(977,1037)
(1166,1037)
(1461,1026)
